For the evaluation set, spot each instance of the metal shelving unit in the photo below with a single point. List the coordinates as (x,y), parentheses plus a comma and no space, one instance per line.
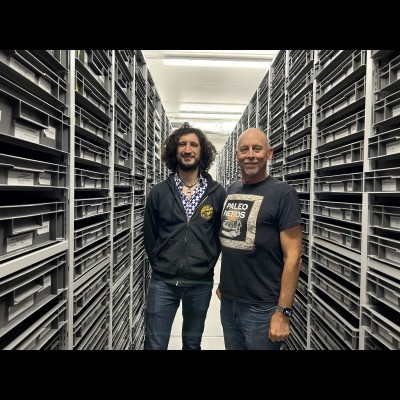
(333,118)
(79,131)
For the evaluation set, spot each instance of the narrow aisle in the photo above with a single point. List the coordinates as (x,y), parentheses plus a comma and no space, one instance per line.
(212,337)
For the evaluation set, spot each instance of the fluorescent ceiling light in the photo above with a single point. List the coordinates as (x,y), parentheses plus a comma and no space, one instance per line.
(213,108)
(203,62)
(231,116)
(246,53)
(217,127)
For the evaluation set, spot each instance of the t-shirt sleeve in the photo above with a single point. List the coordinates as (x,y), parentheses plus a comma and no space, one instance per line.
(289,210)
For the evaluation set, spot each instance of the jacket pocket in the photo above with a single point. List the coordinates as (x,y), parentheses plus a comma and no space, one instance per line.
(169,258)
(196,256)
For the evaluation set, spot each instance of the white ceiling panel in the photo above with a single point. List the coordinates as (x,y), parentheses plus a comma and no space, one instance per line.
(208,89)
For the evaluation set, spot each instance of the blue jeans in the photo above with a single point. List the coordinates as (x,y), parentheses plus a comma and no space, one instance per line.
(246,326)
(162,303)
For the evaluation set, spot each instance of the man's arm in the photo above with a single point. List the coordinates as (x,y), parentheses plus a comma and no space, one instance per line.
(291,242)
(217,220)
(150,225)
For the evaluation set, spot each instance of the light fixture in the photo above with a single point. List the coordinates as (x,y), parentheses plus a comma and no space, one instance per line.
(212,108)
(216,62)
(206,115)
(223,127)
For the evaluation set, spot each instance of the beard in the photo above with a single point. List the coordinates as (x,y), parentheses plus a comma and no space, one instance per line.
(258,170)
(188,167)
(252,172)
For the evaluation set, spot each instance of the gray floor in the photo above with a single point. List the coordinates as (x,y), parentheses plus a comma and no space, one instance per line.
(212,337)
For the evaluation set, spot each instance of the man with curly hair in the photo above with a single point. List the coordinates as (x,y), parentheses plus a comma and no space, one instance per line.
(181,237)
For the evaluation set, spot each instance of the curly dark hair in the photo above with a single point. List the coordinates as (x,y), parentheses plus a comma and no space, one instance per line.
(169,146)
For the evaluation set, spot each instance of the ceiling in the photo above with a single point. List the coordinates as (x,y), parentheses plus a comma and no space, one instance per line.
(219,94)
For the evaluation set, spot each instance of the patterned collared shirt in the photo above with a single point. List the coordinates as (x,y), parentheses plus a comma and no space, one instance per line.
(190,204)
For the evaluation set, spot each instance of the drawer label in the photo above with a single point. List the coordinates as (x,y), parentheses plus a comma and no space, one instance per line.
(46,282)
(44,229)
(28,134)
(336,213)
(337,187)
(394,222)
(341,133)
(337,237)
(329,138)
(19,241)
(90,128)
(396,110)
(17,309)
(87,155)
(50,132)
(388,185)
(392,148)
(94,209)
(337,160)
(392,255)
(19,178)
(89,237)
(45,178)
(89,183)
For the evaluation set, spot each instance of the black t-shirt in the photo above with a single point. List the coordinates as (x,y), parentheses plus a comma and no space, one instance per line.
(252,219)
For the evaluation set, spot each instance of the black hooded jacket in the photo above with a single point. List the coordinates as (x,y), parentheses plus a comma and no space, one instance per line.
(183,252)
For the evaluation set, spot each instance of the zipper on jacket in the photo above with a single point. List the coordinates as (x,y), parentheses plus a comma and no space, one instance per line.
(176,284)
(188,219)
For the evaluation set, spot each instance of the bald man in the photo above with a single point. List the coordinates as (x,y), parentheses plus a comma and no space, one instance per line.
(261,240)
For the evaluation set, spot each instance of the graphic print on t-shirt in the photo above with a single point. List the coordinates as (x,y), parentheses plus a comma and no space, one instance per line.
(239,218)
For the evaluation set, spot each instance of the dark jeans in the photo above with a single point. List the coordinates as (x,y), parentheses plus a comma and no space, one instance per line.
(162,303)
(246,326)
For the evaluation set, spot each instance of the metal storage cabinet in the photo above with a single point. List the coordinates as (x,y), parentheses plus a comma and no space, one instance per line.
(380,317)
(33,206)
(333,118)
(79,135)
